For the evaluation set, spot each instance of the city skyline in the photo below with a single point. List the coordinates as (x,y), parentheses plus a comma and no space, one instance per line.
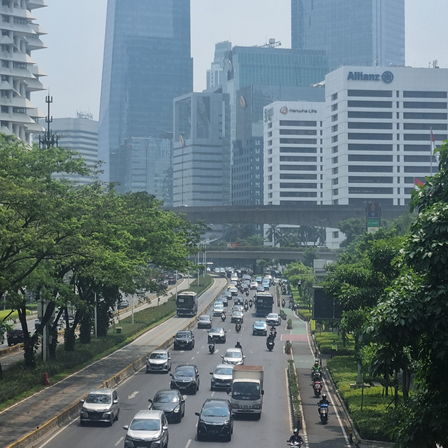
(78,62)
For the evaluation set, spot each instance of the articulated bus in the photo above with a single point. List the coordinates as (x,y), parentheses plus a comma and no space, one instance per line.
(264,302)
(187,303)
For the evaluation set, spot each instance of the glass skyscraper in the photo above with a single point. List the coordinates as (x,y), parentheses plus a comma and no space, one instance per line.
(147,63)
(352,32)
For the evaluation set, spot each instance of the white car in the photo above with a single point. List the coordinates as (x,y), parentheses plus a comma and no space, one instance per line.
(253,285)
(218,309)
(233,356)
(273,319)
(222,376)
(159,361)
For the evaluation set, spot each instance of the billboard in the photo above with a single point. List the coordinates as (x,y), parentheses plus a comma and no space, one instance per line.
(325,307)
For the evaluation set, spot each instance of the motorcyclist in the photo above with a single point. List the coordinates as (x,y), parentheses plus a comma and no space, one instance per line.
(211,345)
(273,332)
(223,316)
(238,345)
(238,325)
(283,303)
(316,366)
(322,401)
(296,437)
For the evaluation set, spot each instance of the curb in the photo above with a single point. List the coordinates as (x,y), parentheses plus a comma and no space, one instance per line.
(74,409)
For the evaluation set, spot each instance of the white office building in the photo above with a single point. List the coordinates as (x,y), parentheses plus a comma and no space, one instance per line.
(294,153)
(20,76)
(79,134)
(377,132)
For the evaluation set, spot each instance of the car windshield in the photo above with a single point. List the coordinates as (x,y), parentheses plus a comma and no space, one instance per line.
(272,316)
(145,424)
(233,355)
(158,356)
(237,313)
(98,399)
(215,330)
(185,371)
(223,371)
(182,334)
(218,305)
(259,323)
(166,397)
(215,411)
(246,391)
(207,318)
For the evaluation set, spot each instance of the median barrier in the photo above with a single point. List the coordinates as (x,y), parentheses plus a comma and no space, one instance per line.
(75,409)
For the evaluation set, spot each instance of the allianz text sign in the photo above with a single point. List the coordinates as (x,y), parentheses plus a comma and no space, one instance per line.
(386,77)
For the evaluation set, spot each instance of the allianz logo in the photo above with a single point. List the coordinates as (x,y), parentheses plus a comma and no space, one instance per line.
(386,77)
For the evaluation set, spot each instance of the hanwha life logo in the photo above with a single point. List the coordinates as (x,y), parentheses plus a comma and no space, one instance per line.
(284,110)
(387,77)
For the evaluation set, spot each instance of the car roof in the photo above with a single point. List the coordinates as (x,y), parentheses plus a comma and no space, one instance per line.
(216,329)
(185,365)
(272,314)
(101,391)
(159,351)
(148,414)
(210,402)
(204,316)
(234,350)
(224,366)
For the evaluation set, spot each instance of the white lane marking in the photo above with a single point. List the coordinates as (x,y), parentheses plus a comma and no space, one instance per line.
(192,358)
(59,432)
(133,395)
(118,443)
(213,394)
(217,350)
(202,347)
(199,352)
(188,443)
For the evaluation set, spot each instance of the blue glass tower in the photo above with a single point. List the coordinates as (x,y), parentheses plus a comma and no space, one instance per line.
(352,32)
(147,63)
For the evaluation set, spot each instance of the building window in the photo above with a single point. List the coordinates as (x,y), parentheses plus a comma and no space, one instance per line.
(334,97)
(334,160)
(370,169)
(298,150)
(421,94)
(368,136)
(370,104)
(335,235)
(334,117)
(370,93)
(297,132)
(334,128)
(424,116)
(368,125)
(269,151)
(334,107)
(335,191)
(270,160)
(334,139)
(270,134)
(424,105)
(356,114)
(334,150)
(335,171)
(334,181)
(299,123)
(369,158)
(270,187)
(370,190)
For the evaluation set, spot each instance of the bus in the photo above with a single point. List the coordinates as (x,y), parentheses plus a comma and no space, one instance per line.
(264,302)
(187,303)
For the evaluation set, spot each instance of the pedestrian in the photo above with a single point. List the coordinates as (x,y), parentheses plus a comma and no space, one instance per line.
(334,348)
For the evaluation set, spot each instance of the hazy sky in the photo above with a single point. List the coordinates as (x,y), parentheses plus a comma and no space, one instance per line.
(75,41)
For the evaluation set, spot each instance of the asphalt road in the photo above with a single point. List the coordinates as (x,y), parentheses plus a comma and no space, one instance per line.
(33,412)
(272,430)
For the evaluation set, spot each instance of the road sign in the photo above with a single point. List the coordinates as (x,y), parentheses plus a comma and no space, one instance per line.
(325,307)
(373,217)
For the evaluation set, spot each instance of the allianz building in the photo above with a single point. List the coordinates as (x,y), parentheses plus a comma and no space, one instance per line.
(369,142)
(377,132)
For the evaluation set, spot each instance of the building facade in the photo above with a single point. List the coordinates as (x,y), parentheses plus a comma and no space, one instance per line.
(79,134)
(351,32)
(378,126)
(147,63)
(294,153)
(201,151)
(20,76)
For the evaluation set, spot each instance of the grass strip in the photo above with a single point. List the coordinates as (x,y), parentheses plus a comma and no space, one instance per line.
(371,420)
(325,340)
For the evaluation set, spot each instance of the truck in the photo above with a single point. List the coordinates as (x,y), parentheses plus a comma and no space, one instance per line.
(246,390)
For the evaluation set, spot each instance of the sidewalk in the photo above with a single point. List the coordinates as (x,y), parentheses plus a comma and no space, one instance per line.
(34,412)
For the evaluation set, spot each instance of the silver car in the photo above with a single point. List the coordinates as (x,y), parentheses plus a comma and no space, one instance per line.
(222,376)
(147,428)
(159,361)
(233,356)
(101,405)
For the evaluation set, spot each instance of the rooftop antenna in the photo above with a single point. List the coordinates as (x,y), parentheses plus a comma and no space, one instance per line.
(48,139)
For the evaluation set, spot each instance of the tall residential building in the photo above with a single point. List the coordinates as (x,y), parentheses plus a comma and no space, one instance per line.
(201,153)
(147,63)
(79,134)
(352,32)
(20,75)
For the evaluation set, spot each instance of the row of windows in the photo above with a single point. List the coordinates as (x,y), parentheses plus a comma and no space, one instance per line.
(298,150)
(376,136)
(363,125)
(388,93)
(294,194)
(296,185)
(298,176)
(368,136)
(389,169)
(298,123)
(370,190)
(388,104)
(299,141)
(369,147)
(298,132)
(298,168)
(298,159)
(371,93)
(370,180)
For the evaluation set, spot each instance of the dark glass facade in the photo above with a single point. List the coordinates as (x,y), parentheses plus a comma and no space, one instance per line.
(352,32)
(147,63)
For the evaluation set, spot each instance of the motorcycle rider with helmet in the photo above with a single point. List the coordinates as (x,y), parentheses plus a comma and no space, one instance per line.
(322,401)
(296,437)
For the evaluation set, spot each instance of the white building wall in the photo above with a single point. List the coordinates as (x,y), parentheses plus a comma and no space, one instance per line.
(20,76)
(378,129)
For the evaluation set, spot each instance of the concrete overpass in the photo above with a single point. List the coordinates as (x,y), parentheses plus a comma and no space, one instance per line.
(313,215)
(266,254)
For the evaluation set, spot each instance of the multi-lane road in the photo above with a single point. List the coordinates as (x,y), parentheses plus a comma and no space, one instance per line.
(272,430)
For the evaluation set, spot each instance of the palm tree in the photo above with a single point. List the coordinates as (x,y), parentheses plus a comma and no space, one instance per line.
(273,234)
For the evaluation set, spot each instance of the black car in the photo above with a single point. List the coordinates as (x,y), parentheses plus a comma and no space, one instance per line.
(217,334)
(184,339)
(171,403)
(15,337)
(215,419)
(185,378)
(205,321)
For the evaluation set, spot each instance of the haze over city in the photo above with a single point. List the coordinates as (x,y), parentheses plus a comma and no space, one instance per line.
(74,57)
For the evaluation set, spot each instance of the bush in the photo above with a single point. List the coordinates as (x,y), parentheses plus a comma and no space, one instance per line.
(282,315)
(294,387)
(289,324)
(324,341)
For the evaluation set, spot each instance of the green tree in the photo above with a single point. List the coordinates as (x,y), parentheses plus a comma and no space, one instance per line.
(273,234)
(352,228)
(411,322)
(298,273)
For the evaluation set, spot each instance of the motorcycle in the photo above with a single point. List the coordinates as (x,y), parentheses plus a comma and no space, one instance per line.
(237,327)
(223,317)
(323,411)
(283,303)
(316,375)
(250,303)
(273,333)
(295,444)
(270,344)
(247,292)
(246,306)
(211,348)
(317,387)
